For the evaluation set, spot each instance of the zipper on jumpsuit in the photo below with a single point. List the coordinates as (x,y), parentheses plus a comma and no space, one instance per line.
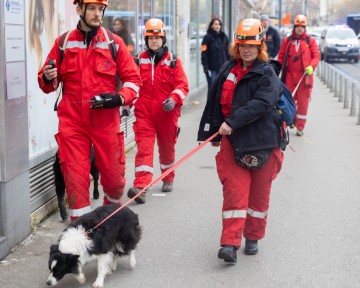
(152,60)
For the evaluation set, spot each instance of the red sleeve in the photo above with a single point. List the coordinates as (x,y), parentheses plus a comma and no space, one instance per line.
(314,52)
(181,85)
(54,54)
(128,72)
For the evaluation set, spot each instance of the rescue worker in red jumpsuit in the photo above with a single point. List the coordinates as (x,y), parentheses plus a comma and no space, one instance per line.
(157,110)
(87,70)
(241,109)
(299,54)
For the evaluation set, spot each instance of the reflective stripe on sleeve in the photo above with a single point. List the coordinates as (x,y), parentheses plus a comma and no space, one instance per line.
(132,86)
(180,93)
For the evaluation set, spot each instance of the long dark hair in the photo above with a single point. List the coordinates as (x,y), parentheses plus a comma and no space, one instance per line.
(212,22)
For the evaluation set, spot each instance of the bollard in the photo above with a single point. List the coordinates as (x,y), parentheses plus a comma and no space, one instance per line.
(341,94)
(353,100)
(331,79)
(328,76)
(346,94)
(318,71)
(336,94)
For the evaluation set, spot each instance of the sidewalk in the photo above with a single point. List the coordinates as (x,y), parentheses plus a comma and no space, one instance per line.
(312,236)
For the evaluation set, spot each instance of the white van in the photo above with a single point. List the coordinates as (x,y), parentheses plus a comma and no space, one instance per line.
(339,43)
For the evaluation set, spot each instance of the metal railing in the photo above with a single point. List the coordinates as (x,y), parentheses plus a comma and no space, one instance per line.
(343,86)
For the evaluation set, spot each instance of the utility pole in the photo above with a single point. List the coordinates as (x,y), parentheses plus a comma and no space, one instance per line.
(280,14)
(305,7)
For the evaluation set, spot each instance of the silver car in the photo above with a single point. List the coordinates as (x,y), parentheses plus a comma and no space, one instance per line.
(339,43)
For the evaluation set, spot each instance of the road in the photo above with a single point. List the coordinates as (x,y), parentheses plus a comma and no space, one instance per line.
(313,232)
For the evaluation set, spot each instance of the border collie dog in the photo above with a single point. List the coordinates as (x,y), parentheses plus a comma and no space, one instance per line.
(79,244)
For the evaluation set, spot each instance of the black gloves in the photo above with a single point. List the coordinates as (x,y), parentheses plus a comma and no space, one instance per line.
(169,104)
(206,70)
(107,101)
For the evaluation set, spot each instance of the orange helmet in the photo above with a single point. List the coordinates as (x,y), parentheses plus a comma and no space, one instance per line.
(250,31)
(154,27)
(105,2)
(300,20)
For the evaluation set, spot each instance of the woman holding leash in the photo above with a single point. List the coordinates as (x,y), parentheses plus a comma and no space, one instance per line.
(241,108)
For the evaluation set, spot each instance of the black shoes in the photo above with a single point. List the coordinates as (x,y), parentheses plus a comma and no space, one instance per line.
(228,254)
(251,247)
(134,191)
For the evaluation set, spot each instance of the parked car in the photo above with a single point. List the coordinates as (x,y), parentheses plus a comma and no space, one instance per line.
(339,43)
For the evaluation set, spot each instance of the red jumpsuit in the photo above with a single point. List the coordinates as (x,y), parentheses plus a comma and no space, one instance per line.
(159,83)
(246,192)
(300,56)
(86,72)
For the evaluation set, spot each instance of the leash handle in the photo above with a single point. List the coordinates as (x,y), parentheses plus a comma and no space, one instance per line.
(182,160)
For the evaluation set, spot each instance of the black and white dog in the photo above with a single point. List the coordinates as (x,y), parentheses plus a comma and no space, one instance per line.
(78,244)
(60,182)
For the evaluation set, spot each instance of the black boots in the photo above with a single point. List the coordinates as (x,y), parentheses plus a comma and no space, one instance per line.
(251,247)
(134,191)
(228,254)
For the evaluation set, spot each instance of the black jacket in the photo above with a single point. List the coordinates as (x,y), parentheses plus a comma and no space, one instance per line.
(272,41)
(255,122)
(216,53)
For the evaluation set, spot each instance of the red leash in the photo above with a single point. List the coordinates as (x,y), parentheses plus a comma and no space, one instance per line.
(182,160)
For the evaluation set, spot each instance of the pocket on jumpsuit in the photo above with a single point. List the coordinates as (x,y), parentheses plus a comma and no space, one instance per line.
(58,138)
(279,157)
(121,158)
(69,65)
(220,167)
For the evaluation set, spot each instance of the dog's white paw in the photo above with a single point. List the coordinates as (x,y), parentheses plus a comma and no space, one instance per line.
(98,284)
(81,278)
(132,260)
(113,264)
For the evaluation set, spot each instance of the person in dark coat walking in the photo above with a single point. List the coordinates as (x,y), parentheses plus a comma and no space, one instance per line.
(119,28)
(241,109)
(214,50)
(272,37)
